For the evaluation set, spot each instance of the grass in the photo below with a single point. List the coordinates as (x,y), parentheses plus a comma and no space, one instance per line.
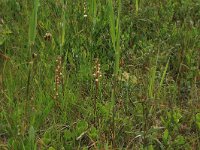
(99,74)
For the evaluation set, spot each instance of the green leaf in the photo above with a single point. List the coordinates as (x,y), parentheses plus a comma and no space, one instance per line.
(46,138)
(166,136)
(93,133)
(150,147)
(51,148)
(81,126)
(2,40)
(31,138)
(179,140)
(68,135)
(177,116)
(197,120)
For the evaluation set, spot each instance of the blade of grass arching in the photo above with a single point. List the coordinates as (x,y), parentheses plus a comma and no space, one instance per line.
(112,22)
(33,23)
(163,77)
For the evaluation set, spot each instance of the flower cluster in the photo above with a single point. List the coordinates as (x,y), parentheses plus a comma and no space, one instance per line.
(85,10)
(48,36)
(97,74)
(58,76)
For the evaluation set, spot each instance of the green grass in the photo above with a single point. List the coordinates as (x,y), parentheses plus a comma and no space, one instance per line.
(147,96)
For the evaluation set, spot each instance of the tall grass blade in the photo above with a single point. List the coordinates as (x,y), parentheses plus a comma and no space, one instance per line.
(93,11)
(163,77)
(63,26)
(33,23)
(117,50)
(112,22)
(136,6)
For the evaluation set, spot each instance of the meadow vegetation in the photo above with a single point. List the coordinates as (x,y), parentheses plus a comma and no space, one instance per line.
(89,74)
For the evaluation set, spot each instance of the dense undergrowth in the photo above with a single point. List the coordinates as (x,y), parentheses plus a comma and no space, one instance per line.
(80,74)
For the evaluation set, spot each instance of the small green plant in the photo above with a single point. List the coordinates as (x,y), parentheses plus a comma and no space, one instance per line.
(172,125)
(197,120)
